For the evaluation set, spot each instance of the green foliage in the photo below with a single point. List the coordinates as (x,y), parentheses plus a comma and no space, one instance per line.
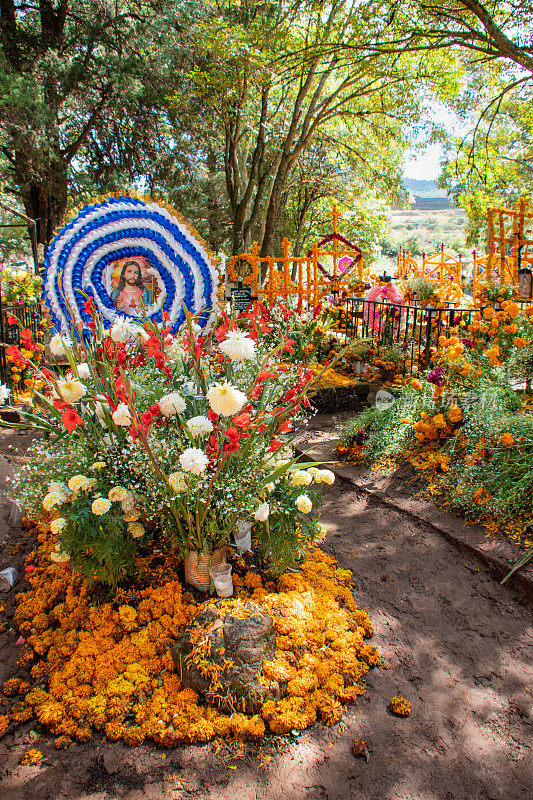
(99,547)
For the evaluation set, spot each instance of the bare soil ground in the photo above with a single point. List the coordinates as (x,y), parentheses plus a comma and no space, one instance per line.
(458,646)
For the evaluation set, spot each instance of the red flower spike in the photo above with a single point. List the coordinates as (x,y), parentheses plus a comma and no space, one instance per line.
(242,420)
(11,320)
(211,415)
(275,444)
(71,419)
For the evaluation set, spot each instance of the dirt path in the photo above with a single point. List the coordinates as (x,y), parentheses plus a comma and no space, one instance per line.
(459,648)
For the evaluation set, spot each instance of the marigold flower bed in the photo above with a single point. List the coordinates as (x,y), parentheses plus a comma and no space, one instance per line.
(90,665)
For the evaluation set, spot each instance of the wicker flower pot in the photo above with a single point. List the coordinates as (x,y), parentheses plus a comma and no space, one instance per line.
(197,567)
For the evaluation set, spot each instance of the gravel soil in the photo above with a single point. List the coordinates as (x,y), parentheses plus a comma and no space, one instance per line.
(456,644)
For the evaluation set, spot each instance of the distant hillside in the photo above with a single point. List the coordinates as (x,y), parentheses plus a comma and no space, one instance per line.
(424,189)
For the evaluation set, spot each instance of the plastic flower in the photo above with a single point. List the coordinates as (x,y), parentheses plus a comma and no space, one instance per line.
(301,478)
(57,525)
(225,399)
(199,426)
(79,482)
(58,344)
(121,415)
(71,390)
(177,481)
(304,504)
(118,493)
(261,513)
(193,460)
(172,404)
(238,346)
(4,393)
(100,506)
(84,371)
(121,330)
(136,529)
(53,499)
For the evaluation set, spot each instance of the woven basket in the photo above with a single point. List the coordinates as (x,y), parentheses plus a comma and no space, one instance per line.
(197,566)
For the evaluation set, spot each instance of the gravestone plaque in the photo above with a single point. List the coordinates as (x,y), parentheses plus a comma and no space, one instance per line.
(242,297)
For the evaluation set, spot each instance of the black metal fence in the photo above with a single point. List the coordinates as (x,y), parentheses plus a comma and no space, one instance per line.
(413,329)
(29,315)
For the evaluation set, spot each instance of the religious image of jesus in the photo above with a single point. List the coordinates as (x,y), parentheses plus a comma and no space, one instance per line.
(131,292)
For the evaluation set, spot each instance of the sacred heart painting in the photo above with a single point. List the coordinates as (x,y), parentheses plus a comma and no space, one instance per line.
(134,285)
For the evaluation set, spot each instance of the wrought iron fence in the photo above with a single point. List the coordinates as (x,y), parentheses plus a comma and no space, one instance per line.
(29,315)
(413,329)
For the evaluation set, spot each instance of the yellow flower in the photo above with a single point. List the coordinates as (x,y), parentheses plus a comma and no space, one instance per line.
(177,482)
(117,493)
(79,482)
(100,506)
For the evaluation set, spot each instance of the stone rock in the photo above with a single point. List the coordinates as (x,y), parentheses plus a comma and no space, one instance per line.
(232,678)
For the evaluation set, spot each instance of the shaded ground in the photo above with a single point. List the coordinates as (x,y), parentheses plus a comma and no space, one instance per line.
(458,645)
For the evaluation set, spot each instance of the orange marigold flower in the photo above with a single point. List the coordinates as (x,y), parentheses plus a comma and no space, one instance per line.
(400,706)
(455,414)
(415,383)
(520,342)
(507,440)
(31,756)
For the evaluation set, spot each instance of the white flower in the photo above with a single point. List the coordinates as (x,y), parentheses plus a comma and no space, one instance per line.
(301,478)
(118,493)
(84,371)
(225,399)
(79,482)
(4,393)
(58,486)
(100,506)
(177,482)
(238,346)
(139,333)
(53,499)
(121,415)
(199,426)
(269,487)
(59,344)
(261,513)
(175,351)
(57,525)
(99,410)
(121,330)
(97,465)
(325,476)
(304,504)
(71,390)
(193,460)
(172,404)
(59,556)
(136,529)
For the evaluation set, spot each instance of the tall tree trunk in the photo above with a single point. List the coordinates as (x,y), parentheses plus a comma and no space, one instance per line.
(44,194)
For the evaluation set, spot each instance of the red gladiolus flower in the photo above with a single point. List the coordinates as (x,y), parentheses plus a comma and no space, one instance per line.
(155,410)
(211,415)
(11,320)
(288,346)
(286,427)
(71,419)
(275,444)
(242,420)
(233,433)
(147,420)
(88,306)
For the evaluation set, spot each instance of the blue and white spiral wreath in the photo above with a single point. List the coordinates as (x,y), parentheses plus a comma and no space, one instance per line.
(80,259)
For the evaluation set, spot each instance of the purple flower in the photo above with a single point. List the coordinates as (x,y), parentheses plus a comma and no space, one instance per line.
(436,376)
(468,343)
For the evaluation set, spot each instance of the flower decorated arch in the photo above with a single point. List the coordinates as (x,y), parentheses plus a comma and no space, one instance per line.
(134,257)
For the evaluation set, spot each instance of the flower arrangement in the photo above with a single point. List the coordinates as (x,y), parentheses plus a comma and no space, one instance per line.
(19,286)
(491,293)
(181,437)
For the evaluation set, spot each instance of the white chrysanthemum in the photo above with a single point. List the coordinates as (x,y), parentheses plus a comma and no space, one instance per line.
(172,404)
(121,415)
(325,476)
(199,426)
(59,344)
(84,371)
(193,460)
(57,525)
(71,390)
(121,330)
(4,393)
(304,504)
(100,506)
(225,399)
(313,471)
(177,482)
(139,333)
(261,513)
(118,493)
(97,465)
(301,478)
(237,346)
(79,483)
(175,351)
(53,499)
(136,529)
